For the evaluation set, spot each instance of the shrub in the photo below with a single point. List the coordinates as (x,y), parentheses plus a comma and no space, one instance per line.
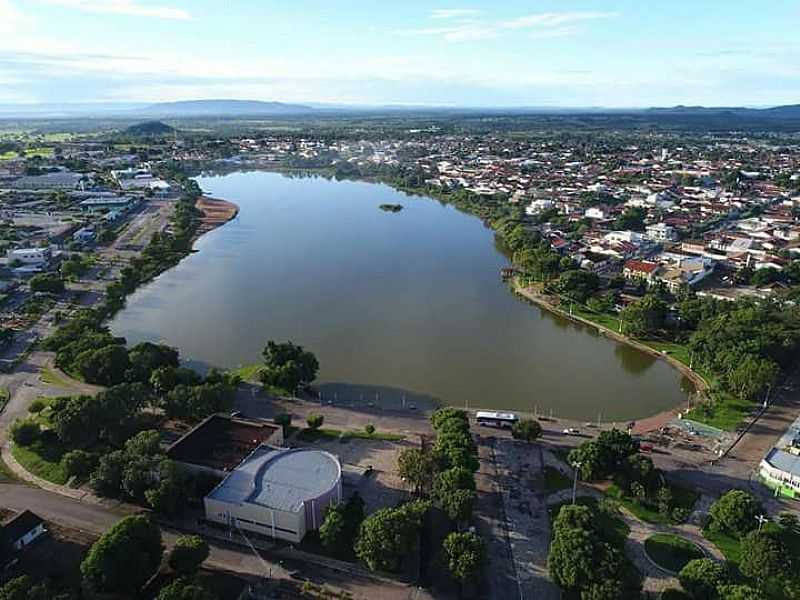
(188,554)
(735,513)
(79,463)
(25,432)
(369,428)
(37,406)
(315,421)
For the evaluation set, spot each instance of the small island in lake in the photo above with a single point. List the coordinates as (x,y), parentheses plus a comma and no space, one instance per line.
(391,207)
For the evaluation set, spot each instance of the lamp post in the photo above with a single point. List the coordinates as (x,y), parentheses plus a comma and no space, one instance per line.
(761,520)
(575,466)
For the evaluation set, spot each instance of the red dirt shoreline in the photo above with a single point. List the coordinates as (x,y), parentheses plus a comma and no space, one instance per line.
(216,212)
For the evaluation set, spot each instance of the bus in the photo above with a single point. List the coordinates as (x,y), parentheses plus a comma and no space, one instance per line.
(496,419)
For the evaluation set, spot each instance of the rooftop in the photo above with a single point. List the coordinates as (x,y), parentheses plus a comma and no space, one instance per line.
(221,442)
(280,479)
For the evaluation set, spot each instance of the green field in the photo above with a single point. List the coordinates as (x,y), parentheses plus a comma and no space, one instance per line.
(671,552)
(682,498)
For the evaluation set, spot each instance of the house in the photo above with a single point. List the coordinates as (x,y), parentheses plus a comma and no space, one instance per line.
(641,270)
(84,235)
(596,212)
(23,529)
(538,206)
(30,256)
(661,232)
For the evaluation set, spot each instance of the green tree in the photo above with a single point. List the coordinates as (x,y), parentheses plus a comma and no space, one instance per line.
(764,556)
(124,557)
(288,366)
(333,531)
(740,592)
(189,552)
(24,588)
(644,317)
(702,577)
(184,589)
(592,458)
(528,430)
(577,284)
(417,467)
(389,535)
(465,554)
(285,421)
(735,513)
(79,463)
(571,561)
(25,432)
(751,377)
(50,283)
(104,366)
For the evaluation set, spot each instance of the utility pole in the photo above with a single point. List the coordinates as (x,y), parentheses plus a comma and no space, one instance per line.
(575,466)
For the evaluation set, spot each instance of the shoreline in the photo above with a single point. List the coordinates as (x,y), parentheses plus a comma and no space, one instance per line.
(216,212)
(645,424)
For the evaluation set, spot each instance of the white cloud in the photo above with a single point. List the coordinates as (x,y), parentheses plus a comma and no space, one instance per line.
(454,13)
(11,19)
(124,7)
(555,19)
(457,33)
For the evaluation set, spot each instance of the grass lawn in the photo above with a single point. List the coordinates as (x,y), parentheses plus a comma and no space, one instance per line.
(732,548)
(6,474)
(249,372)
(682,498)
(726,412)
(51,377)
(43,459)
(10,155)
(312,435)
(378,435)
(677,351)
(610,526)
(41,151)
(603,319)
(555,480)
(671,552)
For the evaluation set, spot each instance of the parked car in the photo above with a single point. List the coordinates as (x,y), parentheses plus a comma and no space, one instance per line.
(572,431)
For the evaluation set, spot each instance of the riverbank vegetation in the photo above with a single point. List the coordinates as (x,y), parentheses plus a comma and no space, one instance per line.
(287,368)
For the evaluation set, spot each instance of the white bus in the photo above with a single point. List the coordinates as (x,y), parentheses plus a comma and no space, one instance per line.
(496,419)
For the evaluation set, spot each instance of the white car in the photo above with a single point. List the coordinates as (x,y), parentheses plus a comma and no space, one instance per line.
(572,431)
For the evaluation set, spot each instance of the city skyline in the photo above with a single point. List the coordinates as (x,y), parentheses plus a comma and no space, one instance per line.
(614,53)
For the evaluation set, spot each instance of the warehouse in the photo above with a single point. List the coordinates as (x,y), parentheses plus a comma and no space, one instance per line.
(280,493)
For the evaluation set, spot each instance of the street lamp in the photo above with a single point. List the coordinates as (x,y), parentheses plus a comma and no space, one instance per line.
(575,466)
(761,520)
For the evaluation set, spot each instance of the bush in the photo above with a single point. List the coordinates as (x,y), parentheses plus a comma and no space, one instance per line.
(701,578)
(79,463)
(25,432)
(37,406)
(315,421)
(285,421)
(735,513)
(188,554)
(369,428)
(527,430)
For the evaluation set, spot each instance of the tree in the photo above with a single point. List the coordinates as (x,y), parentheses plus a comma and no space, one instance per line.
(79,463)
(25,432)
(24,588)
(288,366)
(188,554)
(170,494)
(528,430)
(458,504)
(702,577)
(448,413)
(789,522)
(369,428)
(388,535)
(592,458)
(105,366)
(573,516)
(764,556)
(417,467)
(465,554)
(577,284)
(751,376)
(124,557)
(184,589)
(645,316)
(50,283)
(571,558)
(632,219)
(735,513)
(740,592)
(144,443)
(285,421)
(332,532)
(315,421)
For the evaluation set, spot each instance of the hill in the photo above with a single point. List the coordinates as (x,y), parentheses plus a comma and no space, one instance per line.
(208,108)
(149,128)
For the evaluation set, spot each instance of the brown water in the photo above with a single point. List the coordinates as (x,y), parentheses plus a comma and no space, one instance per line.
(398,307)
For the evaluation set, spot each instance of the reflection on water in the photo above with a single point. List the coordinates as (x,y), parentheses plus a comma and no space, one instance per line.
(388,301)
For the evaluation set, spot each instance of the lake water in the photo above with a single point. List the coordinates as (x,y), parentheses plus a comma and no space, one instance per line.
(398,307)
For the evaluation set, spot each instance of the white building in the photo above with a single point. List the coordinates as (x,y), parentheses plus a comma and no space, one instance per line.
(539,206)
(661,232)
(30,256)
(280,493)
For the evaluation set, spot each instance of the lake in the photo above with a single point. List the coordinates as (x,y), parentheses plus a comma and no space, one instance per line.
(399,307)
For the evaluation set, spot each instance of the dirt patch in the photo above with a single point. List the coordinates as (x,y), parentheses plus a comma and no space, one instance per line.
(216,212)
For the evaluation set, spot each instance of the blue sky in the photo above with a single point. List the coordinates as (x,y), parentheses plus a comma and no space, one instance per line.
(473,53)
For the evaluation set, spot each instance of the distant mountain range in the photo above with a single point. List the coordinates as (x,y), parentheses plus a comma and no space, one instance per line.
(789,111)
(237,108)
